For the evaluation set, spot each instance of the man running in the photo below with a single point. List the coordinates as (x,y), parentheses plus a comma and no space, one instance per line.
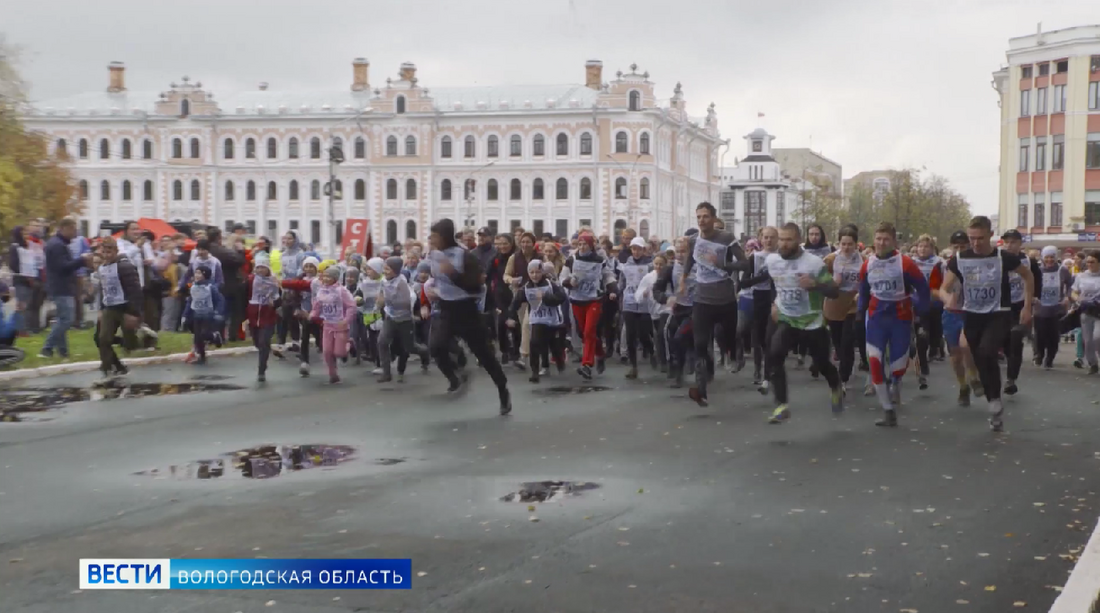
(1014,347)
(962,362)
(458,283)
(982,271)
(802,282)
(889,281)
(719,256)
(763,295)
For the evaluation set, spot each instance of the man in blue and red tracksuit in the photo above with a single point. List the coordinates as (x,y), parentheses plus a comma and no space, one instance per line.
(891,287)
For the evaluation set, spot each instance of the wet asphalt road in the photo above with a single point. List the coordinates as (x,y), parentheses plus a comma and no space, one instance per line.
(696,510)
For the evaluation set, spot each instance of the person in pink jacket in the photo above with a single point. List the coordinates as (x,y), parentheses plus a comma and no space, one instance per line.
(333,308)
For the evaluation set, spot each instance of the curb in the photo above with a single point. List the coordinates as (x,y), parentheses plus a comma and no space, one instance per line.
(1082,592)
(78,367)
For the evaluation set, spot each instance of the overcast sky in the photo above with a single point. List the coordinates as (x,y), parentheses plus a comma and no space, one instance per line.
(868,83)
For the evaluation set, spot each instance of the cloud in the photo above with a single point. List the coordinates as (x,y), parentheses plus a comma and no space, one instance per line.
(875,83)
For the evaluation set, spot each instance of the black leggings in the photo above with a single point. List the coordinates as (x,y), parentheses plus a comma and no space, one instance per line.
(987,333)
(454,321)
(1014,343)
(659,338)
(508,339)
(761,317)
(638,329)
(843,334)
(289,325)
(546,342)
(929,334)
(704,318)
(783,340)
(681,337)
(309,329)
(1046,339)
(609,327)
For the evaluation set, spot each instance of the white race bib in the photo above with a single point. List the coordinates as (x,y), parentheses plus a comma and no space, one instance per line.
(586,279)
(632,276)
(1051,293)
(111,286)
(703,253)
(886,278)
(981,283)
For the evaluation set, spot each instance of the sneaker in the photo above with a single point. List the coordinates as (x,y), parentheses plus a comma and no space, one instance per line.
(261,377)
(585,372)
(869,390)
(757,378)
(400,377)
(218,340)
(780,415)
(385,378)
(964,396)
(279,352)
(1094,369)
(457,386)
(738,366)
(838,401)
(996,421)
(377,371)
(543,372)
(632,373)
(121,370)
(1038,361)
(889,419)
(977,387)
(519,364)
(190,359)
(624,360)
(895,395)
(303,369)
(601,365)
(1010,387)
(294,348)
(334,379)
(1078,363)
(43,355)
(764,388)
(505,402)
(922,382)
(697,396)
(1048,365)
(533,378)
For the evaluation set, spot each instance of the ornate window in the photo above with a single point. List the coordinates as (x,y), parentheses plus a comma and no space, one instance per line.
(492,190)
(561,191)
(400,105)
(272,191)
(620,188)
(272,149)
(539,145)
(126,191)
(391,145)
(516,144)
(194,148)
(83,149)
(315,148)
(126,152)
(104,149)
(470,147)
(177,148)
(644,145)
(250,149)
(292,148)
(293,190)
(147,190)
(315,190)
(83,190)
(445,190)
(250,191)
(563,144)
(229,191)
(515,191)
(147,149)
(586,143)
(586,189)
(228,153)
(538,191)
(410,145)
(621,143)
(493,149)
(391,189)
(410,189)
(360,189)
(177,190)
(360,148)
(643,189)
(635,100)
(196,192)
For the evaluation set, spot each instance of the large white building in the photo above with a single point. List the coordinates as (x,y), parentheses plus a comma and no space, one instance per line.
(550,158)
(756,192)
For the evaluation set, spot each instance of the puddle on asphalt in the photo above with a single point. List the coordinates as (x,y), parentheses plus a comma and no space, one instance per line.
(388,461)
(542,491)
(562,390)
(209,378)
(15,401)
(262,462)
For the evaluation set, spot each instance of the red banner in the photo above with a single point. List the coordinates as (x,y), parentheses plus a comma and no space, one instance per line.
(357,236)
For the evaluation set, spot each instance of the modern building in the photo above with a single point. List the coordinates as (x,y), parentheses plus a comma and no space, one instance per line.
(755,192)
(879,181)
(550,158)
(805,164)
(1050,135)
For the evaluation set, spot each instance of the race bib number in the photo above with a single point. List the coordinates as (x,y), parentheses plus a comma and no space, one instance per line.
(586,279)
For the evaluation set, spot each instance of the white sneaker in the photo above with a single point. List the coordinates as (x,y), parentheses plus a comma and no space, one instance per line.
(377,371)
(304,369)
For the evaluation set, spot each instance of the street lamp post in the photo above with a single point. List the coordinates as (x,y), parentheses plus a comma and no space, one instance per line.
(470,187)
(335,158)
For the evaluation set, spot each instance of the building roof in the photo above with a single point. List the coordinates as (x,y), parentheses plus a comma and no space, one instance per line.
(445,99)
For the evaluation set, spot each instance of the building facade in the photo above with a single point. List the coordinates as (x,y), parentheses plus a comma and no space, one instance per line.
(1050,135)
(807,165)
(755,192)
(550,158)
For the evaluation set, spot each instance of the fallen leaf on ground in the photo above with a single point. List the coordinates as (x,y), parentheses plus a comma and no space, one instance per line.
(1019,604)
(991,588)
(961,601)
(421,574)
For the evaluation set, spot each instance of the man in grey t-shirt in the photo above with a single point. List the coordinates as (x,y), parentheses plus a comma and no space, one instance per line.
(718,256)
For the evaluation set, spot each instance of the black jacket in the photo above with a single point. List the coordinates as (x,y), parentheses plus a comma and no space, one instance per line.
(61,267)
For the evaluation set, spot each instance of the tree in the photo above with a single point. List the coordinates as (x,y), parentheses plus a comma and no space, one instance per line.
(818,203)
(32,183)
(915,206)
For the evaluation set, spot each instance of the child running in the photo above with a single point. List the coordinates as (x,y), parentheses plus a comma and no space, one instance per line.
(263,309)
(334,309)
(205,311)
(543,300)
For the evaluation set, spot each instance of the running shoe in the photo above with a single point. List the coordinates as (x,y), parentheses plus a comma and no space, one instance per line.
(977,387)
(964,396)
(585,372)
(261,377)
(303,369)
(278,352)
(505,402)
(780,415)
(601,365)
(895,395)
(838,401)
(889,419)
(697,396)
(764,387)
(1078,363)
(922,382)
(518,363)
(996,421)
(1010,387)
(1094,369)
(632,373)
(190,359)
(334,379)
(869,390)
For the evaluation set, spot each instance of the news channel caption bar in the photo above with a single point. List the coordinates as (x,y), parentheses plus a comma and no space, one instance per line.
(244,574)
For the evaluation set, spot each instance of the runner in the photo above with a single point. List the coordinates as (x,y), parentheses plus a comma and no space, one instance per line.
(666,290)
(844,265)
(543,299)
(719,256)
(588,277)
(1056,281)
(763,297)
(1014,347)
(333,310)
(982,270)
(962,362)
(891,286)
(263,310)
(121,302)
(801,283)
(459,280)
(929,329)
(635,312)
(1086,293)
